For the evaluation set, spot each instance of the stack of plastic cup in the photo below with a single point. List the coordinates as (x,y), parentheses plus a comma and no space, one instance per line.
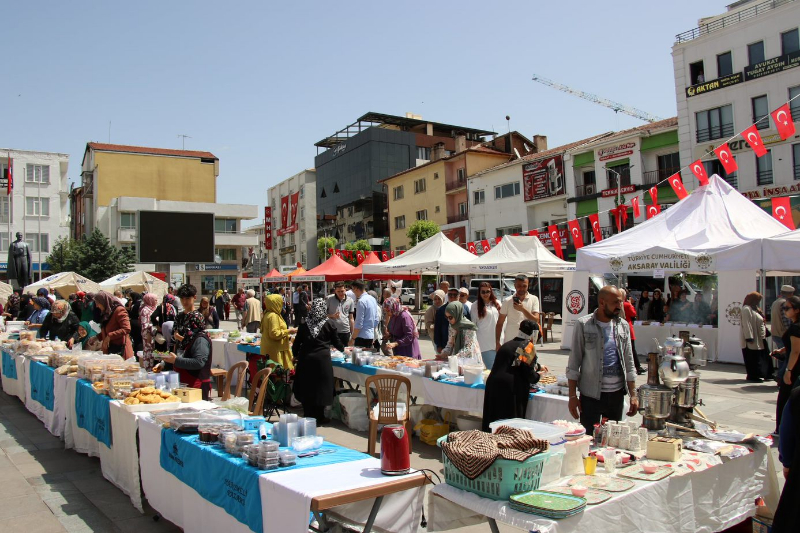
(308,427)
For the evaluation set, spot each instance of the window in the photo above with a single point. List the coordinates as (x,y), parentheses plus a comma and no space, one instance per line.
(37,174)
(462,208)
(39,242)
(479,197)
(36,206)
(669,164)
(225,225)
(588,177)
(437,209)
(335,187)
(398,193)
(227,254)
(511,230)
(760,110)
(422,215)
(4,213)
(419,186)
(715,167)
(714,123)
(302,235)
(724,64)
(400,222)
(480,235)
(506,191)
(302,191)
(795,162)
(764,169)
(587,187)
(350,211)
(461,173)
(424,152)
(697,73)
(795,105)
(755,53)
(436,175)
(616,172)
(127,220)
(790,42)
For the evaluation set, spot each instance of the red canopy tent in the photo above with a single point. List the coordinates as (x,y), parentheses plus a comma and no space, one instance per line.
(357,272)
(334,266)
(275,277)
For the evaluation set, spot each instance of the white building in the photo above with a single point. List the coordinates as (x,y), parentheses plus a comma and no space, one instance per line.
(39,202)
(294,244)
(731,70)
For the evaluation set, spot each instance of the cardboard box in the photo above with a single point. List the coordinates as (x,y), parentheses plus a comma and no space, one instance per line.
(188,395)
(664,449)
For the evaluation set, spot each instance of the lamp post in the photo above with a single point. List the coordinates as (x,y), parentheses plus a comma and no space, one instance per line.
(619,182)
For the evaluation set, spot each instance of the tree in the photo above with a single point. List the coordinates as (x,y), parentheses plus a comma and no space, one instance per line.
(98,260)
(421,230)
(361,244)
(64,255)
(323,245)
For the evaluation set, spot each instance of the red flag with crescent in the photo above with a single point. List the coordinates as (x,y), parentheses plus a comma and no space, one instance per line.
(555,238)
(384,256)
(497,240)
(485,245)
(360,256)
(401,252)
(784,121)
(635,203)
(284,211)
(654,194)
(594,220)
(533,233)
(617,212)
(472,249)
(782,211)
(652,210)
(725,157)
(677,186)
(753,139)
(331,251)
(699,171)
(391,254)
(575,232)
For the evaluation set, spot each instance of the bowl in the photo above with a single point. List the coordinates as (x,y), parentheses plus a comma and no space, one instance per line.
(649,468)
(579,490)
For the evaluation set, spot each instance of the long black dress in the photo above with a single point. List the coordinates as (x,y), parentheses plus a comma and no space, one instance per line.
(508,387)
(313,379)
(787,515)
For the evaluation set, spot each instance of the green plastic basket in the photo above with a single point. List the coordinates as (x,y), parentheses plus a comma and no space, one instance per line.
(504,478)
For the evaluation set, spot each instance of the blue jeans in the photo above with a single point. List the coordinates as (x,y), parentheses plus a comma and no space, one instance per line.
(488,358)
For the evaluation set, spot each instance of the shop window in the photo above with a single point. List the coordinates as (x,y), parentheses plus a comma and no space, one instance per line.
(755,53)
(697,73)
(716,123)
(478,197)
(724,64)
(790,42)
(760,108)
(764,169)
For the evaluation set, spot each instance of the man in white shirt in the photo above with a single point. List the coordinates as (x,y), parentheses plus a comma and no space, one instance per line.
(521,306)
(463,297)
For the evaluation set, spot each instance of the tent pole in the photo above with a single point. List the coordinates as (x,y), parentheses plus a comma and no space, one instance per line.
(541,304)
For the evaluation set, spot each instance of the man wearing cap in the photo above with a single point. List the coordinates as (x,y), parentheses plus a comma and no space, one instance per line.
(521,306)
(463,297)
(780,323)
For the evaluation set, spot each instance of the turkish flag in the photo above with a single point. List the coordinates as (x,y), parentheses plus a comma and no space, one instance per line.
(618,216)
(485,245)
(725,157)
(497,240)
(595,222)
(653,210)
(782,211)
(533,233)
(784,121)
(635,203)
(401,252)
(699,170)
(677,186)
(753,139)
(360,256)
(293,201)
(555,238)
(384,256)
(338,253)
(391,254)
(331,251)
(654,194)
(575,231)
(284,211)
(472,249)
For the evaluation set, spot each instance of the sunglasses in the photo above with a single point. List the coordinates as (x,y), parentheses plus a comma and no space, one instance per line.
(787,307)
(486,292)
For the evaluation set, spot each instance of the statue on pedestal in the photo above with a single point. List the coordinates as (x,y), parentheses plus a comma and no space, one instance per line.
(19,262)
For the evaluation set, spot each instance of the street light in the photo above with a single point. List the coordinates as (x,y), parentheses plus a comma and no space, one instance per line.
(619,181)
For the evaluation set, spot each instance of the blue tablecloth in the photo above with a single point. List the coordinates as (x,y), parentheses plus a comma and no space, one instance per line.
(93,412)
(368,370)
(228,481)
(246,348)
(9,366)
(42,378)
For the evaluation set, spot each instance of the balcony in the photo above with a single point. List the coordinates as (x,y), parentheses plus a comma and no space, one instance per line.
(458,217)
(126,235)
(731,20)
(455,184)
(652,177)
(585,190)
(714,132)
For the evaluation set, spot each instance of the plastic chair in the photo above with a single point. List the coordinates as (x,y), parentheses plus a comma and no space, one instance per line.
(387,389)
(241,367)
(256,405)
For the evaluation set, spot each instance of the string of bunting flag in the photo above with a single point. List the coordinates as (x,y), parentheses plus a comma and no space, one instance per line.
(781,208)
(360,255)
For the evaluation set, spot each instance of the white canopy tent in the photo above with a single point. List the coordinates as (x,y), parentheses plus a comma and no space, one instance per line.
(514,254)
(64,284)
(138,281)
(780,253)
(427,257)
(714,229)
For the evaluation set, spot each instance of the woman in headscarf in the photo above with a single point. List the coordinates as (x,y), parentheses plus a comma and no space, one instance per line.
(462,338)
(25,307)
(164,319)
(192,356)
(313,380)
(41,308)
(657,307)
(514,370)
(133,306)
(274,336)
(210,315)
(219,303)
(752,336)
(149,303)
(86,337)
(115,327)
(403,335)
(12,307)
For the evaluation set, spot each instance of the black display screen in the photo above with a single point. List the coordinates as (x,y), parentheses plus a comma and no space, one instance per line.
(173,237)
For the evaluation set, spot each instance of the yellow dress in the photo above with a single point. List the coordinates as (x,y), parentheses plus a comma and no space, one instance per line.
(275,334)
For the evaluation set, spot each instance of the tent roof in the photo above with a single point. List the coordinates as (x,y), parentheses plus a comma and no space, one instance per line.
(780,252)
(357,272)
(514,254)
(299,271)
(333,266)
(714,229)
(424,258)
(64,283)
(274,274)
(136,279)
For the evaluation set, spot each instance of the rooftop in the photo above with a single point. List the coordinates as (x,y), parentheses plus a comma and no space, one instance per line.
(105,147)
(373,119)
(478,148)
(736,16)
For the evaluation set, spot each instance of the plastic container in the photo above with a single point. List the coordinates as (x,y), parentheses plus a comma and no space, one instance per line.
(473,374)
(307,444)
(287,458)
(502,479)
(552,433)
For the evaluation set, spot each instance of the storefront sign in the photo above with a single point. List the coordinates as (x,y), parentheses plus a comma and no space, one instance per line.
(625,189)
(248,281)
(543,179)
(287,250)
(713,85)
(308,278)
(213,266)
(772,66)
(547,241)
(664,261)
(615,152)
(268,228)
(771,191)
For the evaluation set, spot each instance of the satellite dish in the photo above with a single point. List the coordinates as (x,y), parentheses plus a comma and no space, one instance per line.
(217,259)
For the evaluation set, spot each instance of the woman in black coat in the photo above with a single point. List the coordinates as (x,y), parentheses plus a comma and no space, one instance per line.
(313,380)
(787,515)
(508,384)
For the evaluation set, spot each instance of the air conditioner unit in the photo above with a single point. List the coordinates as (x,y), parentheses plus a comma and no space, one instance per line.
(589,189)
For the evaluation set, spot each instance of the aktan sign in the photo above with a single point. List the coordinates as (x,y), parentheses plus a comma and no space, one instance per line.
(713,85)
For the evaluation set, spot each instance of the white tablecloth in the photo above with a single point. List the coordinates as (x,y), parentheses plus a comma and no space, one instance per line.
(218,353)
(120,462)
(646,334)
(59,405)
(706,501)
(16,387)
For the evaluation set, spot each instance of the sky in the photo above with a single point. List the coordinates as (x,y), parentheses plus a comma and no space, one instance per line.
(258,83)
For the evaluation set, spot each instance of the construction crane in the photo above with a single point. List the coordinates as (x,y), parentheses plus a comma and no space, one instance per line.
(616,106)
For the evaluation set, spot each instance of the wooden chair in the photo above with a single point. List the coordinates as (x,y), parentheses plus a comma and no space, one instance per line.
(256,406)
(218,375)
(387,390)
(547,327)
(241,367)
